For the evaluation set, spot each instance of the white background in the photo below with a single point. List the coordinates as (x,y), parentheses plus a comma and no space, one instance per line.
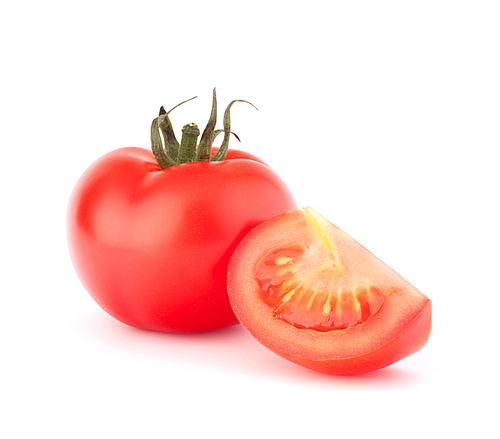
(382,115)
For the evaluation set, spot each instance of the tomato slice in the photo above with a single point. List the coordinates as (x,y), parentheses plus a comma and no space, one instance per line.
(313,295)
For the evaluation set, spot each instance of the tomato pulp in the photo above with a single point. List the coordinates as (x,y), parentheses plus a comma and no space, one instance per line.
(313,295)
(152,245)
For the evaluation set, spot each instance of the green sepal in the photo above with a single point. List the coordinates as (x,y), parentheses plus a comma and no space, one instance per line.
(222,152)
(204,151)
(157,146)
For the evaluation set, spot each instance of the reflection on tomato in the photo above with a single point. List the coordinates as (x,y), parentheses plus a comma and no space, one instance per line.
(311,294)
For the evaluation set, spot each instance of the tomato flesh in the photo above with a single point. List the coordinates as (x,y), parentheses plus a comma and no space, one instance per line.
(320,296)
(310,293)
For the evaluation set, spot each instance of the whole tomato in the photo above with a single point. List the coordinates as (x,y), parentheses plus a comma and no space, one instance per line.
(150,233)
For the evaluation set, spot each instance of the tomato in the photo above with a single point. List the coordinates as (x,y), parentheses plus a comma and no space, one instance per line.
(313,295)
(152,245)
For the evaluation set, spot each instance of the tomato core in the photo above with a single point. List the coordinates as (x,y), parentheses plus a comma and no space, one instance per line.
(307,286)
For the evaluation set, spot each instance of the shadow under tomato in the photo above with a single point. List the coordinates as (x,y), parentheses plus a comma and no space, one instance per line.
(232,350)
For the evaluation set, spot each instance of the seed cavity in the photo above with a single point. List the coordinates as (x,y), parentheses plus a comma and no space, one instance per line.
(323,297)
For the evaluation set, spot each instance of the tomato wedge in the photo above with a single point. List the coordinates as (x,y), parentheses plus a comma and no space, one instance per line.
(313,295)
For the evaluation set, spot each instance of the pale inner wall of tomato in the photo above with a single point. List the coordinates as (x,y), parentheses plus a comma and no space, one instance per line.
(308,287)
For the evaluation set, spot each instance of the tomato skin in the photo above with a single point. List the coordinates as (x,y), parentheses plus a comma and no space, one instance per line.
(400,327)
(152,246)
(410,340)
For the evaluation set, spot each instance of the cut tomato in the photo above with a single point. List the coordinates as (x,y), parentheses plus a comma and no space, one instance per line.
(313,295)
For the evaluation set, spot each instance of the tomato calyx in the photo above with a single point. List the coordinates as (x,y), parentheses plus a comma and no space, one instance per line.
(174,153)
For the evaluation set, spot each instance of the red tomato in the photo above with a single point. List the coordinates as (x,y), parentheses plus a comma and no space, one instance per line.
(152,245)
(310,293)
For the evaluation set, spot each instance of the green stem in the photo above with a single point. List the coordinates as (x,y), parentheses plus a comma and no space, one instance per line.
(175,153)
(187,150)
